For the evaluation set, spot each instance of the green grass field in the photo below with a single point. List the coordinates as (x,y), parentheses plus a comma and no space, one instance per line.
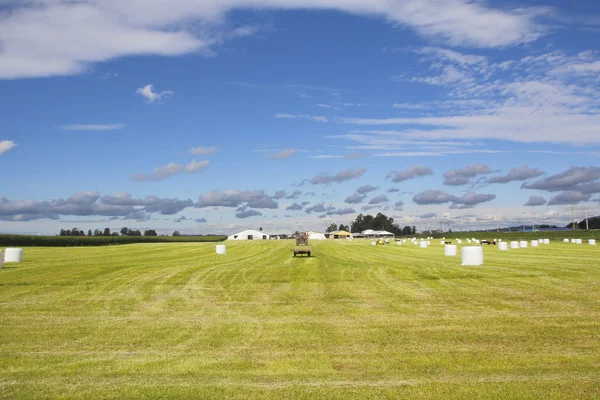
(175,320)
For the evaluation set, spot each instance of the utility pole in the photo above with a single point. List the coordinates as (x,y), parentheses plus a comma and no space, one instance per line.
(587,226)
(522,223)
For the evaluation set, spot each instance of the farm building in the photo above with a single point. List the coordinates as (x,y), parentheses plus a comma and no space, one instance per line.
(338,235)
(370,233)
(315,235)
(249,235)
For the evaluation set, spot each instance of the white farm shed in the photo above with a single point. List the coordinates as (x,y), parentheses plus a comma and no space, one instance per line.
(370,233)
(249,235)
(316,236)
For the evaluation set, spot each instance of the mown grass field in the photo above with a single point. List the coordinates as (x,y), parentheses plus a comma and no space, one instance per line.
(356,321)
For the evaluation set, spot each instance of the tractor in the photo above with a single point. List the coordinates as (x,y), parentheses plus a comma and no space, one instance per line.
(302,244)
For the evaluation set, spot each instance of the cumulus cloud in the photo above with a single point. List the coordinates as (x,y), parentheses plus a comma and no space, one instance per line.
(295,207)
(203,151)
(150,203)
(399,206)
(152,96)
(379,199)
(341,211)
(569,197)
(535,201)
(517,174)
(319,207)
(427,215)
(324,179)
(6,145)
(200,220)
(235,198)
(458,177)
(433,197)
(282,155)
(165,171)
(294,195)
(355,198)
(569,180)
(470,199)
(366,189)
(244,212)
(416,171)
(91,204)
(280,194)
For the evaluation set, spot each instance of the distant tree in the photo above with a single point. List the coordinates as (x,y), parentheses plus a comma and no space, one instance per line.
(407,230)
(343,227)
(89,232)
(134,233)
(106,232)
(63,232)
(97,232)
(150,232)
(332,228)
(414,230)
(114,234)
(124,231)
(176,233)
(593,223)
(260,229)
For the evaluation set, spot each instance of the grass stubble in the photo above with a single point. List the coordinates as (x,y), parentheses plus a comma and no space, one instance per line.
(354,321)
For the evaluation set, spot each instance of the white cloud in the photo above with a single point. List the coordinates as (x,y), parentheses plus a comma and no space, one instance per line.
(6,145)
(535,104)
(314,118)
(453,56)
(152,96)
(283,154)
(93,127)
(203,151)
(53,37)
(165,171)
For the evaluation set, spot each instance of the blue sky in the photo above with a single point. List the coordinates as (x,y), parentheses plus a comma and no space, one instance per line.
(198,117)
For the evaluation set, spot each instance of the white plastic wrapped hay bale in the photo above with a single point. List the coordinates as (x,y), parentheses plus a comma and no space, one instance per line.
(523,244)
(399,243)
(423,245)
(546,241)
(13,255)
(565,240)
(535,243)
(459,241)
(573,241)
(592,242)
(578,241)
(221,249)
(450,250)
(503,246)
(472,255)
(514,244)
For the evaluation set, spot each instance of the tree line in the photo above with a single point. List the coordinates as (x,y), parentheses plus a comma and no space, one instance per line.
(380,222)
(106,232)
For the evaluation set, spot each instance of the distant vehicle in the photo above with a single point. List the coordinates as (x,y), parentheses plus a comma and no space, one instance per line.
(302,244)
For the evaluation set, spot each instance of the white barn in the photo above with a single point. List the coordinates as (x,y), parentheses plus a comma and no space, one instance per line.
(249,234)
(370,233)
(315,236)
